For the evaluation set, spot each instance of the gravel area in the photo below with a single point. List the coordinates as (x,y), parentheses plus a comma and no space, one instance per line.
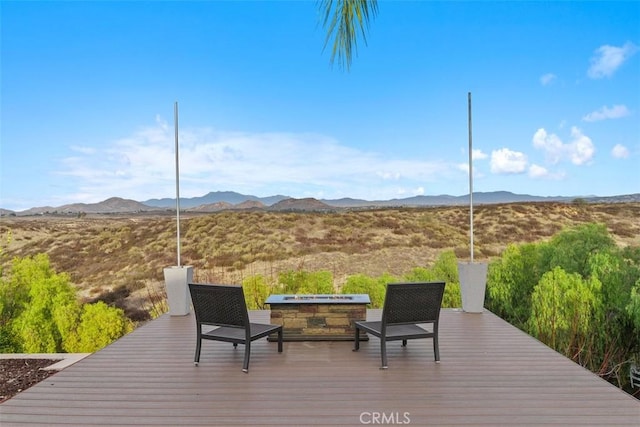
(17,375)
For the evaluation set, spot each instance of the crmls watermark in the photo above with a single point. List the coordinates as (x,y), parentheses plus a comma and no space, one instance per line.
(385,418)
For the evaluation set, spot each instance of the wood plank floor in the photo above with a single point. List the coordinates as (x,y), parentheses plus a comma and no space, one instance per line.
(490,374)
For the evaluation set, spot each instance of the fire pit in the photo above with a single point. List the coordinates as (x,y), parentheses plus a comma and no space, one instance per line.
(318,317)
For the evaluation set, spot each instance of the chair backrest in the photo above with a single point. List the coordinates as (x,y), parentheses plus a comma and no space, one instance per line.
(220,305)
(412,302)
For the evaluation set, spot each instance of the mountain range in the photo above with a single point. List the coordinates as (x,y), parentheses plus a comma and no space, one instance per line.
(230,200)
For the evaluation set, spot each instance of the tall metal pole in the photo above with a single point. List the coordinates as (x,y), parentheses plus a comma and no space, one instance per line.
(175,114)
(470,180)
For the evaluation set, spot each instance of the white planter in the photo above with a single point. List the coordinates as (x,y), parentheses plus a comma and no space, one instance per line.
(473,284)
(176,280)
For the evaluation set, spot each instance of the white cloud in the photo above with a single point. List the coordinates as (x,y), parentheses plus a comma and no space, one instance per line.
(478,155)
(550,144)
(604,113)
(620,151)
(142,166)
(607,59)
(536,171)
(579,151)
(540,172)
(505,161)
(547,79)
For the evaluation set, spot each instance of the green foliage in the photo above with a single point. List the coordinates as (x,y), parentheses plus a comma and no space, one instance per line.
(617,277)
(305,282)
(41,314)
(421,274)
(343,21)
(100,325)
(571,248)
(47,314)
(633,308)
(444,269)
(563,307)
(14,296)
(256,290)
(510,282)
(577,293)
(375,287)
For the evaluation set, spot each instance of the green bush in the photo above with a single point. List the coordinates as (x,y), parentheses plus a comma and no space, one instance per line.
(577,293)
(305,282)
(99,326)
(571,248)
(256,290)
(40,312)
(444,269)
(374,287)
(563,310)
(510,283)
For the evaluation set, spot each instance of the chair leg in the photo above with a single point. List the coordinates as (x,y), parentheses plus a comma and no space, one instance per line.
(280,340)
(356,341)
(235,344)
(383,352)
(404,343)
(436,350)
(247,354)
(196,359)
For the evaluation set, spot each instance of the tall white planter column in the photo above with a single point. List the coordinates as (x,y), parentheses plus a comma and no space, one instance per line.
(176,280)
(473,284)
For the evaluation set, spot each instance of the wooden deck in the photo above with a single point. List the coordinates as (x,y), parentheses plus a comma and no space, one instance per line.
(491,374)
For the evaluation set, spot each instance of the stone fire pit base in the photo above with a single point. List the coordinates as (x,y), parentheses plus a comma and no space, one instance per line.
(318,317)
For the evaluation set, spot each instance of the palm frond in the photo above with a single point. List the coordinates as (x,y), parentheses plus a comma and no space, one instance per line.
(344,21)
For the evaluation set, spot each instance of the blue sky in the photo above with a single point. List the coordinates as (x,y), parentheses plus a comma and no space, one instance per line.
(88,92)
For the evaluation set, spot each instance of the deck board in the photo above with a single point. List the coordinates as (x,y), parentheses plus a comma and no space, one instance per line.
(490,374)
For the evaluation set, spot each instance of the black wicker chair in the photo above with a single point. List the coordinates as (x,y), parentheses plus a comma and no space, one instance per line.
(406,306)
(224,306)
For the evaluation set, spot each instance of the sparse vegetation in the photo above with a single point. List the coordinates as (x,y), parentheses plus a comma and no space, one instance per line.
(108,257)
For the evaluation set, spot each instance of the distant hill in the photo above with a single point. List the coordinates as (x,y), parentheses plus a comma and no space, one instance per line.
(229,200)
(111,205)
(213,197)
(211,207)
(308,204)
(221,206)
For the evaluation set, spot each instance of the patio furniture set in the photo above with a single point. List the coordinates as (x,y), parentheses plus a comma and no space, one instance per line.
(411,311)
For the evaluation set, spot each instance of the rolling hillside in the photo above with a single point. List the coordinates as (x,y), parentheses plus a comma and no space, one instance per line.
(120,257)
